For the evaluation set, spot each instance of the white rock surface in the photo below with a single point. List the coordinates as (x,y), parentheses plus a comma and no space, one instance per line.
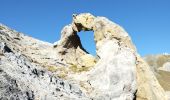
(165,67)
(168,94)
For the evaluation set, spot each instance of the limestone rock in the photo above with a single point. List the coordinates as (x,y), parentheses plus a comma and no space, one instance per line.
(114,75)
(148,86)
(24,78)
(33,69)
(87,60)
(168,94)
(165,67)
(160,65)
(158,62)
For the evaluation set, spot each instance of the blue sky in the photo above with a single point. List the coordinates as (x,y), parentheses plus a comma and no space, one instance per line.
(146,21)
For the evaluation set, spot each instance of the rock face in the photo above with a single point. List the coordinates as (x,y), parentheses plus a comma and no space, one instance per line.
(23,76)
(33,69)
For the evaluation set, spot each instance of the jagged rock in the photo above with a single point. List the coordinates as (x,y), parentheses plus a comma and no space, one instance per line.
(33,69)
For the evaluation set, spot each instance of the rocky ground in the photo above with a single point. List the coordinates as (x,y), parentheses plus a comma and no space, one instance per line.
(32,69)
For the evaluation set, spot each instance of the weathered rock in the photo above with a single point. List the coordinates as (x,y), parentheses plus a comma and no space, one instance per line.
(33,69)
(114,75)
(160,65)
(111,76)
(148,86)
(24,78)
(165,67)
(168,94)
(158,62)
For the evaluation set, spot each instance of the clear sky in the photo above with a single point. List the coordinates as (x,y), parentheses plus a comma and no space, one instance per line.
(146,21)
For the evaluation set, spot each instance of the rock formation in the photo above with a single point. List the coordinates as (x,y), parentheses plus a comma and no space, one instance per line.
(33,69)
(158,62)
(160,65)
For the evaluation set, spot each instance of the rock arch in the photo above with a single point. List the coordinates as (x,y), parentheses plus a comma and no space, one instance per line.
(119,71)
(109,38)
(70,44)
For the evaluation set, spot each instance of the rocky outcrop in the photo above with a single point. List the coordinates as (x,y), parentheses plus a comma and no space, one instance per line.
(24,78)
(165,67)
(110,77)
(158,62)
(33,69)
(114,74)
(160,65)
(148,86)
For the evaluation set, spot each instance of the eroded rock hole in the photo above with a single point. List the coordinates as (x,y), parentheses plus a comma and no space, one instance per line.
(87,41)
